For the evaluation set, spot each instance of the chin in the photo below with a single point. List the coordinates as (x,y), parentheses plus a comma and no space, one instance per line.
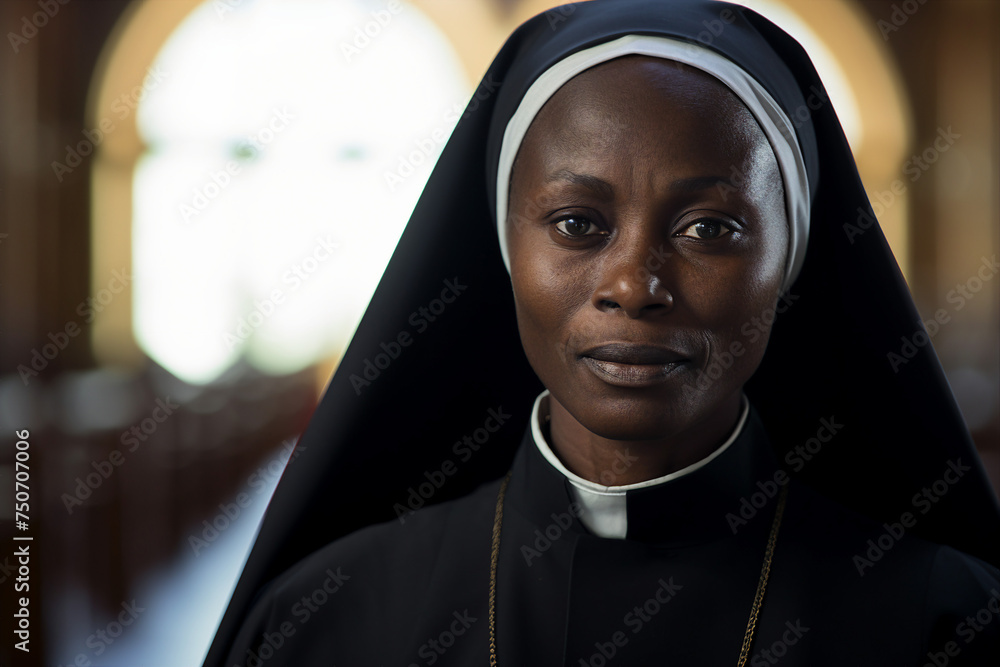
(646,416)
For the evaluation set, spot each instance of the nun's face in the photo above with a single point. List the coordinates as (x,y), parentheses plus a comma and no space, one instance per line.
(647,238)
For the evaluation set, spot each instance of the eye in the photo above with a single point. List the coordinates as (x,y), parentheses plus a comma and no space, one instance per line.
(706,229)
(577,227)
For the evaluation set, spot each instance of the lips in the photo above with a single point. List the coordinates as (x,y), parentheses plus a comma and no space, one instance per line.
(632,365)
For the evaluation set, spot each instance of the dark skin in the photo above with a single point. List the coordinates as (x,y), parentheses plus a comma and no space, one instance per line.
(647,225)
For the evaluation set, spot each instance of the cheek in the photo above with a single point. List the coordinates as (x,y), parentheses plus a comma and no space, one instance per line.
(733,307)
(545,302)
(547,298)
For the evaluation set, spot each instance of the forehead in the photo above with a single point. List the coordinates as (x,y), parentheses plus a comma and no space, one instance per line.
(644,103)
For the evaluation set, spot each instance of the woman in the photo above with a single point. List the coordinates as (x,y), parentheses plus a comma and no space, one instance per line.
(719,464)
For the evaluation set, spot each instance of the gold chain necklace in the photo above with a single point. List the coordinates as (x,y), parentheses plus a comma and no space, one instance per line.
(758,600)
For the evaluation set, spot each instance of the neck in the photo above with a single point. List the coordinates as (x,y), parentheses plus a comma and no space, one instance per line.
(611,462)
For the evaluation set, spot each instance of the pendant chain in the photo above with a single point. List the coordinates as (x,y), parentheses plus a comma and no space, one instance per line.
(758,601)
(765,572)
(494,558)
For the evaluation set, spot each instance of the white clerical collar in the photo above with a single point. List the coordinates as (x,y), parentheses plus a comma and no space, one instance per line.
(604,507)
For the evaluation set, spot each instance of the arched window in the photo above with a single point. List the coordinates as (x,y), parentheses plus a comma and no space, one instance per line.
(281,157)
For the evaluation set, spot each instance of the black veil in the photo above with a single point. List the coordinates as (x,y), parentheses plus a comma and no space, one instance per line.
(434,392)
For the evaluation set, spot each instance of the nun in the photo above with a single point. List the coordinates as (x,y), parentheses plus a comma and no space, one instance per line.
(625,392)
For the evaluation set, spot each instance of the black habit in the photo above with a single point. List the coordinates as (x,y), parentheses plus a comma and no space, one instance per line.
(843,589)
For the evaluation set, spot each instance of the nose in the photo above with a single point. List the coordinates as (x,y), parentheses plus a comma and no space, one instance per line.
(632,278)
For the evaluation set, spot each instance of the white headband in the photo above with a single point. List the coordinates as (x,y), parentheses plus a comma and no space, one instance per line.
(776,125)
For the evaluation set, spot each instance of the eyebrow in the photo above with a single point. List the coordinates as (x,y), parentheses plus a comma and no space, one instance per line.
(604,189)
(598,185)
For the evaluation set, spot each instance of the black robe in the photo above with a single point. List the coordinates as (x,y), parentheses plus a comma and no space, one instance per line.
(843,590)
